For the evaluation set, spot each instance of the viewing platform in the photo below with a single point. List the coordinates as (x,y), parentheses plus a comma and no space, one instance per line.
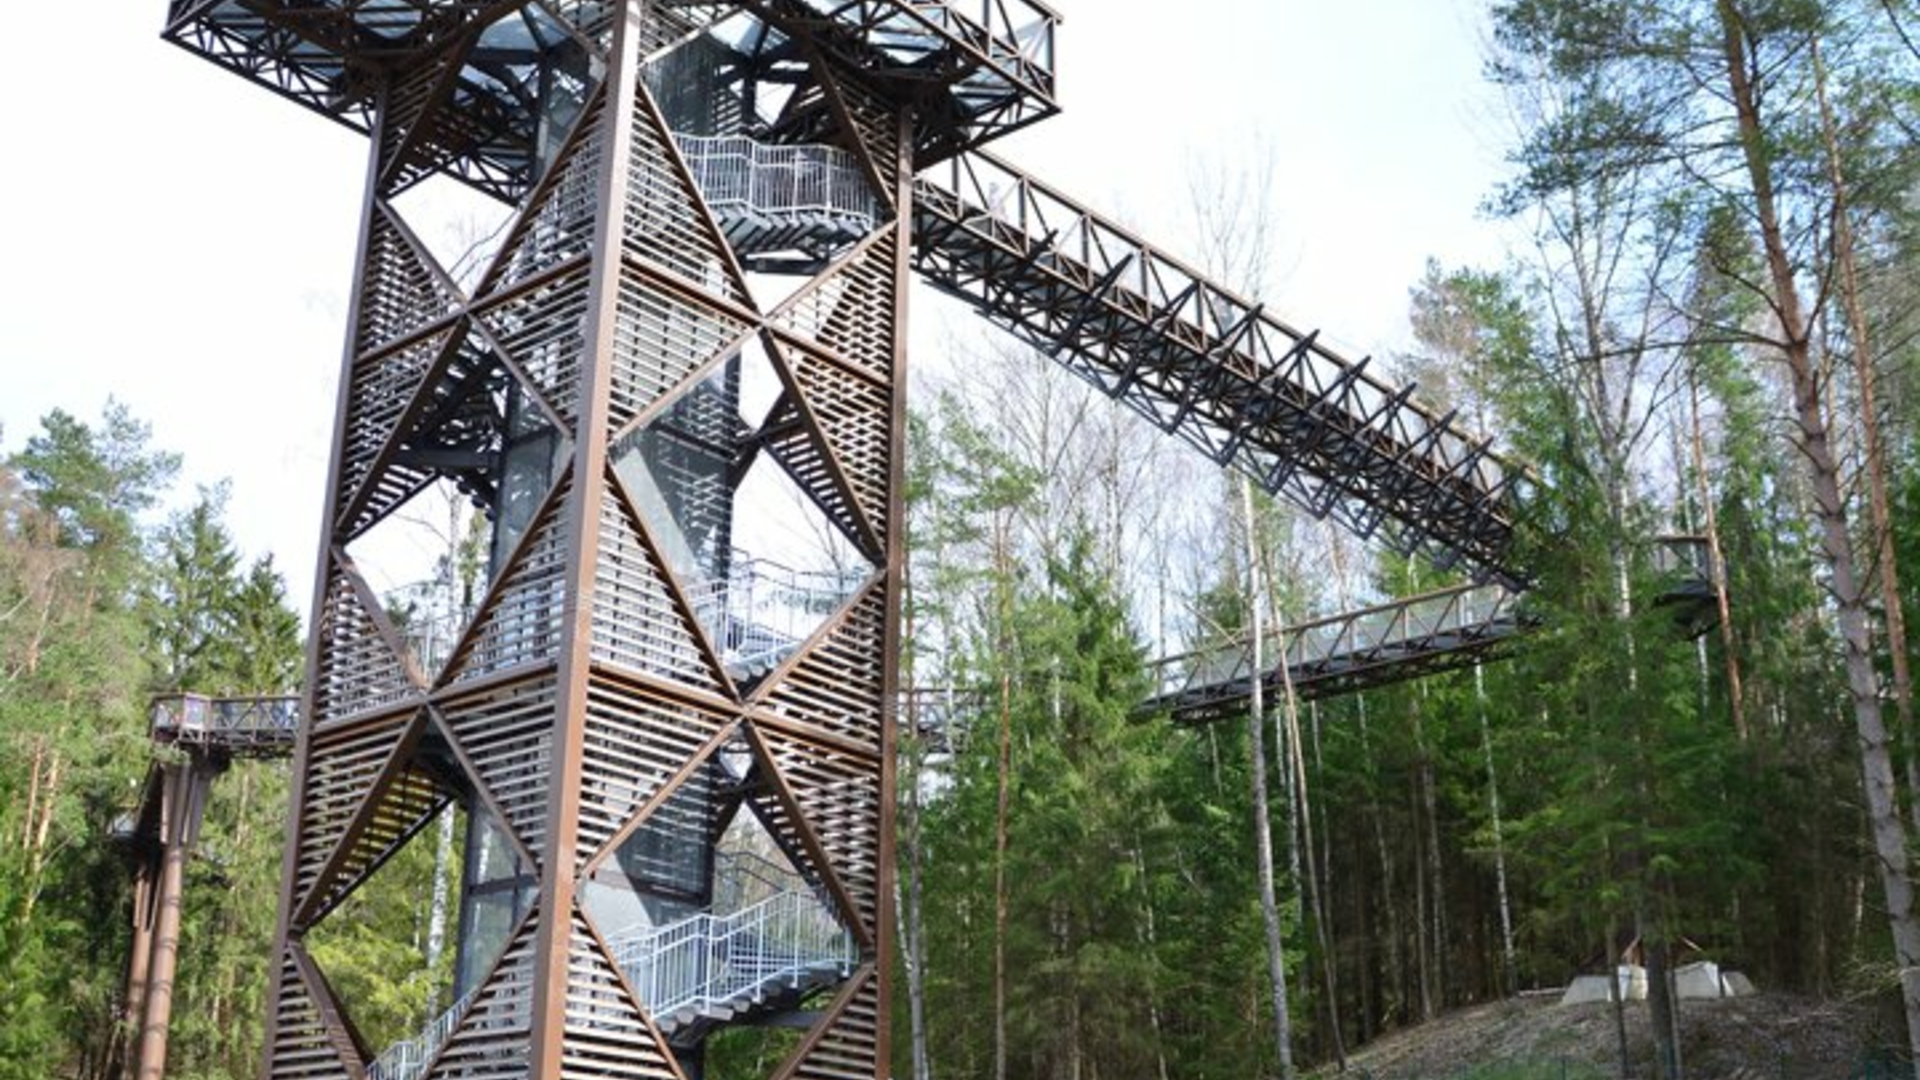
(259,727)
(504,73)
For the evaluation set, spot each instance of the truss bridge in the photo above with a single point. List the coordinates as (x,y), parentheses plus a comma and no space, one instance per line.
(1215,370)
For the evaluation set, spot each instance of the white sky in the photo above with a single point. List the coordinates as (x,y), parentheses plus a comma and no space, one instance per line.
(183,241)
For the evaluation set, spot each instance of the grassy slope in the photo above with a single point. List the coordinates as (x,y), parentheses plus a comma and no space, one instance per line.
(1765,1037)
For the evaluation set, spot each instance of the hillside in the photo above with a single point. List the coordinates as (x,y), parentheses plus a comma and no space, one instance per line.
(1764,1037)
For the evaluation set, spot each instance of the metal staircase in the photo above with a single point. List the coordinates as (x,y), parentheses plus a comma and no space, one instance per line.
(762,611)
(768,941)
(710,968)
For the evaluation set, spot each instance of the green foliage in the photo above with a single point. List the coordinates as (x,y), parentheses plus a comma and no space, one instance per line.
(92,599)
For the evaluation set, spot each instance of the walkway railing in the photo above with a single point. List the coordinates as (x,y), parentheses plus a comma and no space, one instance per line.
(719,965)
(750,183)
(1373,646)
(258,726)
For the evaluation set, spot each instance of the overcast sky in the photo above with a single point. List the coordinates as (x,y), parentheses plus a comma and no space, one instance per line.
(183,241)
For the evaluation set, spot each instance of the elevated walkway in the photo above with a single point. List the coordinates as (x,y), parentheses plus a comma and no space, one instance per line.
(1213,369)
(1357,650)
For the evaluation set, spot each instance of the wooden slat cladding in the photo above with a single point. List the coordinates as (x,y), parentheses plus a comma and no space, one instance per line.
(609,686)
(659,341)
(521,621)
(345,769)
(606,1032)
(493,1039)
(401,289)
(665,224)
(837,685)
(383,385)
(359,670)
(507,733)
(640,620)
(838,795)
(852,417)
(557,225)
(304,1046)
(636,741)
(837,313)
(848,1046)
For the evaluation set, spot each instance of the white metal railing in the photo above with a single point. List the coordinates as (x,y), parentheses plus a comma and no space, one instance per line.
(708,963)
(762,610)
(716,960)
(1424,622)
(225,721)
(408,1058)
(743,177)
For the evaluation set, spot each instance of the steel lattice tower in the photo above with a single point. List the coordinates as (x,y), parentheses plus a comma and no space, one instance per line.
(614,704)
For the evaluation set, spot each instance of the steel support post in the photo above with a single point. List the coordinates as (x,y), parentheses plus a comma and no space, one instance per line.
(182,805)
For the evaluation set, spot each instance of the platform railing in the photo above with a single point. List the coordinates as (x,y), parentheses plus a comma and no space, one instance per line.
(263,724)
(743,176)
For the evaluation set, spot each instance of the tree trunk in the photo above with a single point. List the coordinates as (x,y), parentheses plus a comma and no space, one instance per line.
(1262,823)
(1394,985)
(1850,609)
(1322,938)
(1510,979)
(1717,567)
(1433,962)
(1875,466)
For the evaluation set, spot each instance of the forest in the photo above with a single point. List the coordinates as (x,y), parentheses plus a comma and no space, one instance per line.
(1708,330)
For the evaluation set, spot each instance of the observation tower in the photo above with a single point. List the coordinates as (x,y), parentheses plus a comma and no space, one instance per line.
(665,723)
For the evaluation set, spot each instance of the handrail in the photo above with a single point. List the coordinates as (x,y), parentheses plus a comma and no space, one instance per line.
(262,724)
(408,1058)
(709,962)
(1414,636)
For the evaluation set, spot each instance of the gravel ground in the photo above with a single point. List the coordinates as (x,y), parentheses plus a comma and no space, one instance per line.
(1763,1037)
